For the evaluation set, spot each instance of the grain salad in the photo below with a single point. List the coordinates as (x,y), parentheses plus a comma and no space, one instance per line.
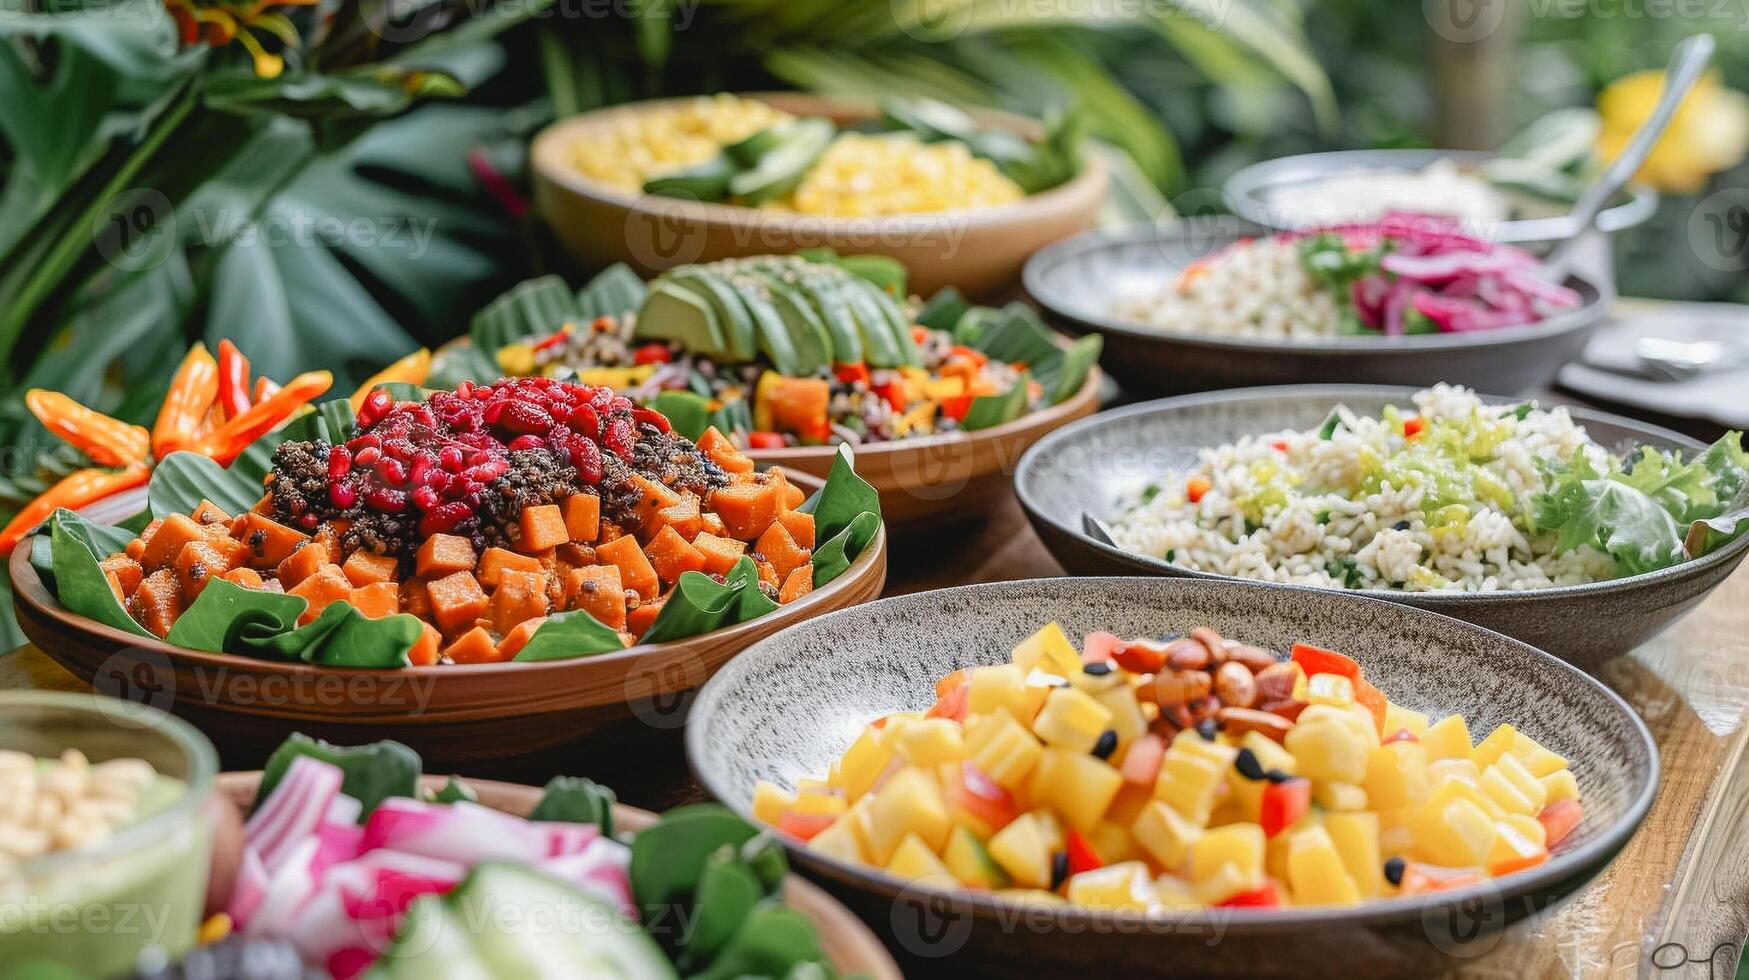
(1452,494)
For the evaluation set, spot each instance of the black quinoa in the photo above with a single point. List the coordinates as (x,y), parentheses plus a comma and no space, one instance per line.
(536,477)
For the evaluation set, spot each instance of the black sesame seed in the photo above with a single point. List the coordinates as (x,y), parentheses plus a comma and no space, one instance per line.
(1099,669)
(1106,745)
(1277,776)
(1394,870)
(1248,765)
(1207,729)
(1059,869)
(1400,526)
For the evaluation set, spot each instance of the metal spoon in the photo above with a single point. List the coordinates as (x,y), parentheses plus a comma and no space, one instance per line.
(1686,64)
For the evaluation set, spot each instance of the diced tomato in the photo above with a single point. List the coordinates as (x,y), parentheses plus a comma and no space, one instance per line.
(815,432)
(1265,897)
(803,826)
(956,406)
(652,354)
(1279,445)
(852,373)
(1413,426)
(1195,487)
(971,791)
(1140,656)
(1558,820)
(879,723)
(1317,660)
(1420,879)
(977,357)
(1373,700)
(893,393)
(951,705)
(951,681)
(1284,804)
(764,440)
(919,335)
(1141,764)
(1082,856)
(1098,647)
(1400,735)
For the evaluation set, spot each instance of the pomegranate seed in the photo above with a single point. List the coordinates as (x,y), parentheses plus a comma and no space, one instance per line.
(393,470)
(652,417)
(525,416)
(584,419)
(464,389)
(525,442)
(398,448)
(445,518)
(367,456)
(339,463)
(309,520)
(619,436)
(343,495)
(586,456)
(386,499)
(450,459)
(423,416)
(376,405)
(367,441)
(494,411)
(426,497)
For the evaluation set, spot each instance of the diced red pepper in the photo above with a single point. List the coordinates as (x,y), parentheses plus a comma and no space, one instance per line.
(951,705)
(1265,897)
(1082,856)
(1558,820)
(803,826)
(1283,805)
(1100,646)
(919,335)
(956,406)
(973,792)
(1413,426)
(1279,445)
(893,393)
(977,357)
(852,373)
(652,354)
(1400,735)
(1317,660)
(1140,656)
(1195,487)
(764,440)
(1373,700)
(553,339)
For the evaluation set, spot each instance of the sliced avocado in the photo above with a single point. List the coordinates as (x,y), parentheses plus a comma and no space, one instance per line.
(897,321)
(820,285)
(748,151)
(741,340)
(707,181)
(879,349)
(781,169)
(773,335)
(677,313)
(807,333)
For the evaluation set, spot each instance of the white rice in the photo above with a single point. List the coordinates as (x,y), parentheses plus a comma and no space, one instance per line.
(1257,289)
(1295,507)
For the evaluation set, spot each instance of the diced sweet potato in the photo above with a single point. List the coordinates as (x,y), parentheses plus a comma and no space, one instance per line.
(635,570)
(671,556)
(365,567)
(302,563)
(268,542)
(330,534)
(245,576)
(518,638)
(496,561)
(712,524)
(157,602)
(683,517)
(196,563)
(415,599)
(424,651)
(582,516)
(798,583)
(789,496)
(442,554)
(720,553)
(768,574)
(654,497)
(456,600)
(777,547)
(746,509)
(520,595)
(543,526)
(264,505)
(597,591)
(638,620)
(800,527)
(168,540)
(207,512)
(575,554)
(376,600)
(322,588)
(135,549)
(123,572)
(473,647)
(723,452)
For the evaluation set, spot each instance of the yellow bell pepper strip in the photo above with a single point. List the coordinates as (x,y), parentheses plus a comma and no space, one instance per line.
(75,490)
(191,393)
(264,388)
(412,369)
(109,442)
(233,380)
(224,443)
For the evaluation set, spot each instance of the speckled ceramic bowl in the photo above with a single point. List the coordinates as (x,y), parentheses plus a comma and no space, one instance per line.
(789,705)
(1086,468)
(1079,279)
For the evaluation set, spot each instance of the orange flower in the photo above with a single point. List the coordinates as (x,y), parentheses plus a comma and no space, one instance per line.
(217,23)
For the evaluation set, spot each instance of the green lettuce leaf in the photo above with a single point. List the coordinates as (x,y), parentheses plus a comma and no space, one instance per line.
(372,773)
(1685,490)
(573,799)
(844,496)
(697,605)
(76,545)
(835,555)
(341,637)
(988,411)
(615,291)
(182,480)
(228,618)
(570,634)
(1581,506)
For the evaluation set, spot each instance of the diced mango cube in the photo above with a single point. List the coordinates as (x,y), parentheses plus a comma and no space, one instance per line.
(1457,834)
(1048,650)
(1447,738)
(1316,873)
(1329,745)
(1401,719)
(1340,797)
(1071,720)
(839,841)
(1076,784)
(1238,844)
(1024,852)
(915,861)
(1463,770)
(971,863)
(997,744)
(1396,774)
(931,742)
(1356,837)
(1534,756)
(1125,885)
(1558,786)
(1003,687)
(863,763)
(909,803)
(1332,689)
(1165,834)
(770,801)
(1188,784)
(1494,746)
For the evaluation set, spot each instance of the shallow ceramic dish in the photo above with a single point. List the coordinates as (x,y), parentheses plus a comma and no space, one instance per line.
(1087,468)
(978,250)
(1077,281)
(452,715)
(847,942)
(829,677)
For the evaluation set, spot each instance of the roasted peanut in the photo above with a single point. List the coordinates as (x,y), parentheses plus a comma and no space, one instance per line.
(1255,659)
(1187,654)
(1234,684)
(1207,707)
(1176,687)
(1140,656)
(1217,647)
(1238,721)
(1276,682)
(1286,707)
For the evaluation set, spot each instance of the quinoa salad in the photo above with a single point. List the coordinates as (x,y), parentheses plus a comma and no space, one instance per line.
(1453,494)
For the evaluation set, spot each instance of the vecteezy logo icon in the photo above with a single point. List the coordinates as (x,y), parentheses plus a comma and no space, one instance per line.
(660,693)
(928,923)
(1718,230)
(932,20)
(135,230)
(660,235)
(131,682)
(1466,926)
(1465,21)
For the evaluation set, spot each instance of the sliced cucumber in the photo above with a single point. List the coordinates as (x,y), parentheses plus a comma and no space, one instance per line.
(747,152)
(781,169)
(676,312)
(554,930)
(740,339)
(433,943)
(707,181)
(930,119)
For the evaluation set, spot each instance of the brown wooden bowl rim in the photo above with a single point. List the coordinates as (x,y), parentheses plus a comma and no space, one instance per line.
(828,915)
(28,587)
(544,149)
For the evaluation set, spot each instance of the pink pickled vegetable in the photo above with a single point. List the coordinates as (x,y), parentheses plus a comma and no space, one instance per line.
(463,832)
(294,811)
(250,889)
(601,870)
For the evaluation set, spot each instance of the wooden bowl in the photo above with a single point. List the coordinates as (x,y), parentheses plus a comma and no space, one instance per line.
(977,250)
(847,942)
(452,715)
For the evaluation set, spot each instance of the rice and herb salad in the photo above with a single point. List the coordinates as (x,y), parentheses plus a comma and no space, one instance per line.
(1453,495)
